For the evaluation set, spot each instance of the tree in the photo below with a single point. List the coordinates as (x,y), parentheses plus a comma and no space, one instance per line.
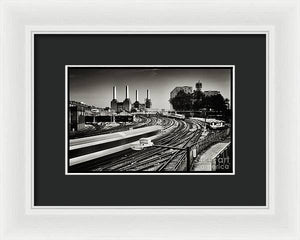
(198,100)
(227,103)
(215,102)
(182,101)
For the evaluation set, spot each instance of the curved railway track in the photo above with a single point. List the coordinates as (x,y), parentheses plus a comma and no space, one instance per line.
(156,158)
(177,133)
(96,129)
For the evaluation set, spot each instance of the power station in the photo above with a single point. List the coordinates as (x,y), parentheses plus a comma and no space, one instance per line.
(148,100)
(126,105)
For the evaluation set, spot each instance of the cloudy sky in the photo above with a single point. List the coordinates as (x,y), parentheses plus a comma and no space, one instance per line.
(93,86)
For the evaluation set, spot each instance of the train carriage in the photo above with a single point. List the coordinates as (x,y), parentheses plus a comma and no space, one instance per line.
(216,124)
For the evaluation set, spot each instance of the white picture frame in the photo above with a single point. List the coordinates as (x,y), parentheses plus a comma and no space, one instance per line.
(279,19)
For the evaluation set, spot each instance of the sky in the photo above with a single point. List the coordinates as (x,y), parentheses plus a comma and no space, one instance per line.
(93,86)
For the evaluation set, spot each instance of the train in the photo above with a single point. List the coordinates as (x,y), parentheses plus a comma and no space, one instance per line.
(143,142)
(212,123)
(216,124)
(174,115)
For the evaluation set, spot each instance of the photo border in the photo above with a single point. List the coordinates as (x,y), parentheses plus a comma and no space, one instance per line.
(232,93)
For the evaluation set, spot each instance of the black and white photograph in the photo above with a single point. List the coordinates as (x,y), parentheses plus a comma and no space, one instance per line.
(141,119)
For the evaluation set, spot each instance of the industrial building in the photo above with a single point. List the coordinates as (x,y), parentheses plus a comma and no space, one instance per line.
(126,105)
(148,102)
(120,106)
(81,113)
(76,116)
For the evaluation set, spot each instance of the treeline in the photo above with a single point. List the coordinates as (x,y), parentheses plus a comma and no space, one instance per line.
(198,101)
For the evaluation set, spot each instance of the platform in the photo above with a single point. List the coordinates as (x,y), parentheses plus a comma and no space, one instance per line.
(89,148)
(105,138)
(205,162)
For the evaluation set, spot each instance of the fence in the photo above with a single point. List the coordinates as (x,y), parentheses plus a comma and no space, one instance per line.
(194,149)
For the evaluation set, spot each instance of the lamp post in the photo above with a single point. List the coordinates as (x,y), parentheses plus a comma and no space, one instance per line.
(188,158)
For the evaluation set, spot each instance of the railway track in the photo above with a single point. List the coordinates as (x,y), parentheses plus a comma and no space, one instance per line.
(115,162)
(96,129)
(178,133)
(157,158)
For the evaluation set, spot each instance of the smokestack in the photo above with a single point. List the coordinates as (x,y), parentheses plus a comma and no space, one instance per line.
(148,94)
(136,95)
(114,92)
(127,92)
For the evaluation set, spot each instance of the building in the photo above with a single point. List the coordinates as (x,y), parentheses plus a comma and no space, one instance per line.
(197,95)
(198,86)
(211,93)
(142,107)
(127,102)
(148,102)
(114,101)
(136,104)
(126,105)
(120,106)
(76,116)
(176,90)
(189,90)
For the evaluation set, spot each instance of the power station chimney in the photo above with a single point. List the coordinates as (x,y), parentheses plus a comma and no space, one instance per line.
(114,101)
(127,102)
(136,95)
(127,92)
(148,100)
(114,92)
